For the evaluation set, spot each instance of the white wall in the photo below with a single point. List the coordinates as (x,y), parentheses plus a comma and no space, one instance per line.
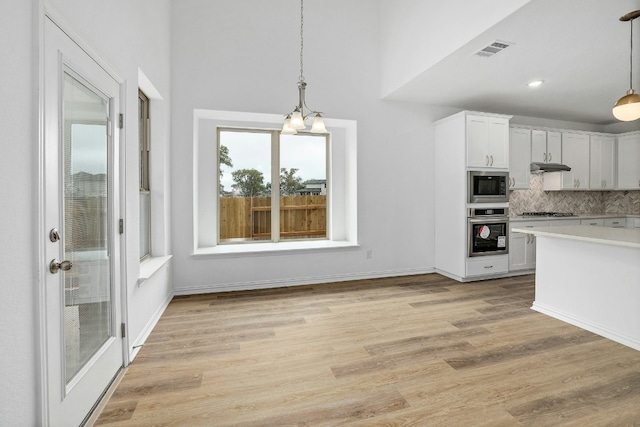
(18,141)
(127,35)
(414,37)
(243,56)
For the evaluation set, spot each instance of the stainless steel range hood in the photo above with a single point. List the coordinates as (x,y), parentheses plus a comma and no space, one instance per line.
(548,167)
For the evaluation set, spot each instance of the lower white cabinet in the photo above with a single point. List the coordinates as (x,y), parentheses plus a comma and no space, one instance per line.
(484,265)
(522,247)
(633,223)
(615,222)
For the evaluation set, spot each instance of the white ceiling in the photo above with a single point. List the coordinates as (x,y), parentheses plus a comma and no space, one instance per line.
(578,47)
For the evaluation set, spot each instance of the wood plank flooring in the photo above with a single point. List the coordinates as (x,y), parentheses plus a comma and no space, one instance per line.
(406,351)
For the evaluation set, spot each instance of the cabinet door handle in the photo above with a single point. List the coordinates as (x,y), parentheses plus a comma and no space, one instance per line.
(488,266)
(550,156)
(544,157)
(491,160)
(486,161)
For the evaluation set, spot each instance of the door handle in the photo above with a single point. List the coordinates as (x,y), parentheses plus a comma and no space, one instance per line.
(550,156)
(55,266)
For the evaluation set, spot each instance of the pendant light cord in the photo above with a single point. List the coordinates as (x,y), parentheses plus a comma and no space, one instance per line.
(301,40)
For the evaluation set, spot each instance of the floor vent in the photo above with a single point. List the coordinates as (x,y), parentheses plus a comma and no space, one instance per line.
(493,48)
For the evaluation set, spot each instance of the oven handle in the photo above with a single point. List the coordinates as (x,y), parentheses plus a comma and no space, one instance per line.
(489,220)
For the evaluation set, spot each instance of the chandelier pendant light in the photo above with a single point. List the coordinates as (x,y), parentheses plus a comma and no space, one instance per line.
(628,107)
(295,120)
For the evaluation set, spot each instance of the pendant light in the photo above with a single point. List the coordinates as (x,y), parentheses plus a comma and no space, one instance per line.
(295,120)
(628,107)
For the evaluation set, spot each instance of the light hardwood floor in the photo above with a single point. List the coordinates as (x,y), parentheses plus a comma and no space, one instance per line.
(406,351)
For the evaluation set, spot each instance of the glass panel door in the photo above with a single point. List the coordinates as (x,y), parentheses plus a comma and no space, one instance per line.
(87,307)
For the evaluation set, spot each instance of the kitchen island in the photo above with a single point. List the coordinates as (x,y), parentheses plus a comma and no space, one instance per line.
(590,277)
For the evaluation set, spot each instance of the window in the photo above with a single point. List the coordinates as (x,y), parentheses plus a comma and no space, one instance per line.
(262,171)
(145,190)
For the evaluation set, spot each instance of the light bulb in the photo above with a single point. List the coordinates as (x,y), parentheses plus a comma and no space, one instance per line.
(627,108)
(318,125)
(297,122)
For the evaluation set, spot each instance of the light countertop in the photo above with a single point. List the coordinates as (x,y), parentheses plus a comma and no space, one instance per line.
(517,218)
(629,237)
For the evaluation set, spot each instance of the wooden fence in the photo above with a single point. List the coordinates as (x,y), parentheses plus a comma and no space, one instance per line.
(250,217)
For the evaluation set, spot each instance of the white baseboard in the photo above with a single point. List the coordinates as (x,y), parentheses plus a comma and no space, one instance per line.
(139,341)
(266,284)
(587,325)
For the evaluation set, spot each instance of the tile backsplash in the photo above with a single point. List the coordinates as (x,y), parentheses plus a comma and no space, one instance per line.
(535,199)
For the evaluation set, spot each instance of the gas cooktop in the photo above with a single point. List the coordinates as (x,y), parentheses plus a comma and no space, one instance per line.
(555,214)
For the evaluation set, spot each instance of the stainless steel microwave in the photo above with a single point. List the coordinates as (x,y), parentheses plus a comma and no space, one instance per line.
(488,187)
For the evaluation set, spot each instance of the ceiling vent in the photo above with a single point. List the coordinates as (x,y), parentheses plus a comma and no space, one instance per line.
(493,48)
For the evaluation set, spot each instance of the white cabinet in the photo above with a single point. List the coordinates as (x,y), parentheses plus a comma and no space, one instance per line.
(546,146)
(487,265)
(522,247)
(602,162)
(575,154)
(519,158)
(629,162)
(615,222)
(487,142)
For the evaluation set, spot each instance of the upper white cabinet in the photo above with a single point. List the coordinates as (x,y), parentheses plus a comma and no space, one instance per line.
(519,158)
(487,141)
(629,162)
(546,146)
(602,163)
(575,154)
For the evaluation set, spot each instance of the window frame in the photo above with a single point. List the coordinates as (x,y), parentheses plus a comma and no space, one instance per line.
(144,166)
(275,189)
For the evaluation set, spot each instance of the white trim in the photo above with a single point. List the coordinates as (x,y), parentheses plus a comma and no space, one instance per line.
(587,325)
(43,375)
(148,328)
(314,280)
(267,248)
(57,18)
(151,266)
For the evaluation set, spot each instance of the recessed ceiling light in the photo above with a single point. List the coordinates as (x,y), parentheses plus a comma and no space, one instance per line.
(535,83)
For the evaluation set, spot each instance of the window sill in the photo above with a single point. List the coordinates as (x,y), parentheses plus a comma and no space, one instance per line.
(281,248)
(151,266)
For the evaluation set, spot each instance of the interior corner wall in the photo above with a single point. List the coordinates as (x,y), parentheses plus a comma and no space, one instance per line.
(18,215)
(417,34)
(125,49)
(244,56)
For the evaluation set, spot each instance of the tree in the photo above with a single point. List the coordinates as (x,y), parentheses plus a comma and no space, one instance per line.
(224,159)
(289,183)
(248,182)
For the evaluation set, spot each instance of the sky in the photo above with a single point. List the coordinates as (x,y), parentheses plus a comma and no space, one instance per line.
(250,150)
(89,151)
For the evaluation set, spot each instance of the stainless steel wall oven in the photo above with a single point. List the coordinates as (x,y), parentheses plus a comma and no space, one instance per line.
(488,231)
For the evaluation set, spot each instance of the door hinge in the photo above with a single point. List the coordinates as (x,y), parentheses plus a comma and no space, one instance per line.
(121,226)
(123,330)
(120,120)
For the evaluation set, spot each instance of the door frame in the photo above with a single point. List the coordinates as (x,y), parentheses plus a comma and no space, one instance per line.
(43,10)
